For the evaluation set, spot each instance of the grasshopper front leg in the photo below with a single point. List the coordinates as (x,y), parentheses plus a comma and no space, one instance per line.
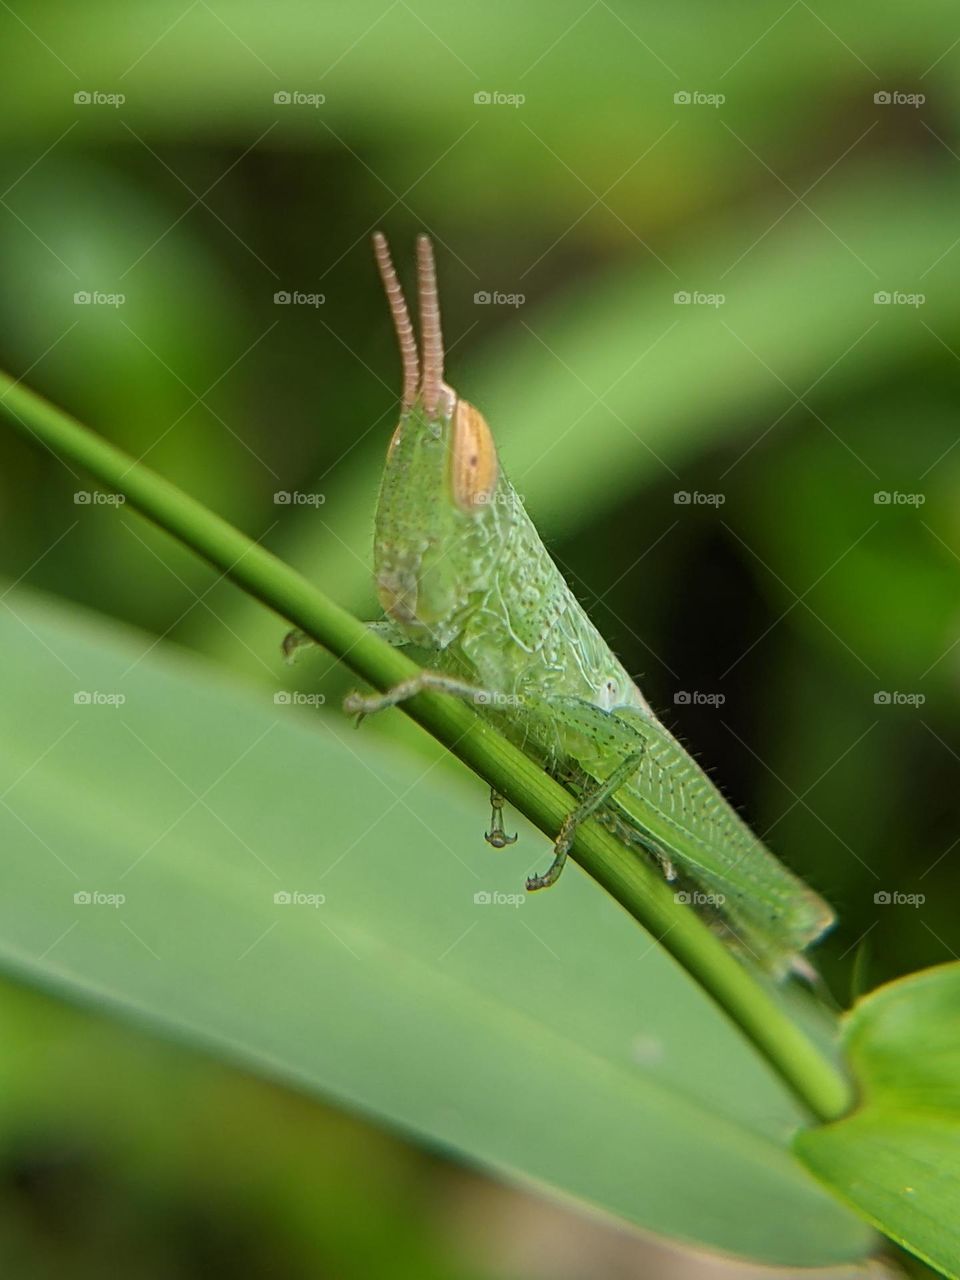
(367,705)
(497,835)
(296,640)
(360,705)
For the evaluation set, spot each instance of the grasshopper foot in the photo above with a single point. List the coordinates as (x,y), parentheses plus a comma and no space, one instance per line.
(549,877)
(355,704)
(497,836)
(293,642)
(560,850)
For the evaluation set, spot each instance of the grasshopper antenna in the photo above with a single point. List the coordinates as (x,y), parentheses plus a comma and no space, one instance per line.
(430,336)
(401,319)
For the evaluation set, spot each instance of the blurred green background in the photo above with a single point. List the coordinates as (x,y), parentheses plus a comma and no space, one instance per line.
(698,268)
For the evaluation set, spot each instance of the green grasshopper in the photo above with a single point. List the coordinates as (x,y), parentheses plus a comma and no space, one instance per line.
(461,572)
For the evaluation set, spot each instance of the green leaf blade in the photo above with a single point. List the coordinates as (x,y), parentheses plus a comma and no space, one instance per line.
(549,1041)
(897,1157)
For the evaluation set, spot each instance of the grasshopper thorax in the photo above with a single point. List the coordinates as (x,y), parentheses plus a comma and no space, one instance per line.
(438,517)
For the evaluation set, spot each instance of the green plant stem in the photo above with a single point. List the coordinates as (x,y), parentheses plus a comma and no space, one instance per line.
(637,886)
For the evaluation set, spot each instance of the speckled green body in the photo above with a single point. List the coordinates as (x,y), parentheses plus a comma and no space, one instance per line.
(478,588)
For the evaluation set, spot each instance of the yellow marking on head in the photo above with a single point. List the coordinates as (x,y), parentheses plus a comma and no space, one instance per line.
(474,464)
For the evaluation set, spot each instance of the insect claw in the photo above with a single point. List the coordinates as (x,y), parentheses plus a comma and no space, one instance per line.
(293,642)
(355,704)
(497,836)
(560,850)
(499,839)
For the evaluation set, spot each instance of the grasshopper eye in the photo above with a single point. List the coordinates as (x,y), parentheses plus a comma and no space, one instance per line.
(474,464)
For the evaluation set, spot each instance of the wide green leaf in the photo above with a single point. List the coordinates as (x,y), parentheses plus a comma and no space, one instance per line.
(897,1157)
(275,888)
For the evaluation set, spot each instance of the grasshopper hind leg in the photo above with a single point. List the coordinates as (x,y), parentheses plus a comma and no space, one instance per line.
(595,798)
(628,833)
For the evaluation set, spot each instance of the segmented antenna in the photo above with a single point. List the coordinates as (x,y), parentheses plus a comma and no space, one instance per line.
(431,338)
(401,319)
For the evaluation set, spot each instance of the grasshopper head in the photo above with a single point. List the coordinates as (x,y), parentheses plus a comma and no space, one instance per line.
(442,477)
